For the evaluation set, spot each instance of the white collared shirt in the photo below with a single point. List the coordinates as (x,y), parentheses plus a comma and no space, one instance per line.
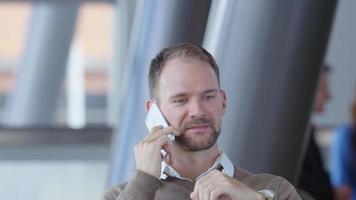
(222,159)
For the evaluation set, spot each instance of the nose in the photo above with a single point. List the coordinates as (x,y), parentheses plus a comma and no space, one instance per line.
(196,109)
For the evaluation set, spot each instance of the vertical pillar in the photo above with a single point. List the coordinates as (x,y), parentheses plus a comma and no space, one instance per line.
(270,53)
(40,75)
(123,20)
(158,24)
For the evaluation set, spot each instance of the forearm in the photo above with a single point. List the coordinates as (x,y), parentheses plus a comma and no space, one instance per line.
(142,187)
(287,191)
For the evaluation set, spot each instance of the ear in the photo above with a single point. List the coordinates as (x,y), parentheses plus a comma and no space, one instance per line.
(224,100)
(148,104)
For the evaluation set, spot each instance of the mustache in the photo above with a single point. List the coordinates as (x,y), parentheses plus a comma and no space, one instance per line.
(197,122)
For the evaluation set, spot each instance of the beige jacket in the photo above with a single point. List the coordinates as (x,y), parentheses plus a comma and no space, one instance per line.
(146,187)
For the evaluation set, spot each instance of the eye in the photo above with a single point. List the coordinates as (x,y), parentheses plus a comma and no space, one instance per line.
(180,101)
(208,97)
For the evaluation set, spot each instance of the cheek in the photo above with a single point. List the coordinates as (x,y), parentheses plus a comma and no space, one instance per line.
(216,109)
(217,115)
(175,117)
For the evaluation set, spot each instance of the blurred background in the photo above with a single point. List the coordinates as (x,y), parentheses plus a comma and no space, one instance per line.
(73,82)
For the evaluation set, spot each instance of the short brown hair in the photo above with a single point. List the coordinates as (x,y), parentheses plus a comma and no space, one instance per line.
(184,50)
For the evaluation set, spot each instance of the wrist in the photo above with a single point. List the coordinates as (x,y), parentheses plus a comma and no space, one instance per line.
(143,178)
(148,173)
(259,196)
(156,172)
(266,194)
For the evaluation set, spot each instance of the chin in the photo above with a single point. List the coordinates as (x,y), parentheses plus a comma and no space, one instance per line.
(189,144)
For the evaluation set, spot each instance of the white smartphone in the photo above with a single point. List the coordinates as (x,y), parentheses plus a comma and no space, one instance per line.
(155,118)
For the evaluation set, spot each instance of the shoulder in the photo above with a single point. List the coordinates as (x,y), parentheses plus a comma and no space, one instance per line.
(282,188)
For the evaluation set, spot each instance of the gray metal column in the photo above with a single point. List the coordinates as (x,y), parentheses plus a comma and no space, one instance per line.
(42,67)
(123,21)
(158,24)
(270,53)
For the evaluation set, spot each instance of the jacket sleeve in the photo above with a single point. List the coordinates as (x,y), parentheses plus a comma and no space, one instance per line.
(142,187)
(286,191)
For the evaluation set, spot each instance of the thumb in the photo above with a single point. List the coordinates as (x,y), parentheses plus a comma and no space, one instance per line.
(192,195)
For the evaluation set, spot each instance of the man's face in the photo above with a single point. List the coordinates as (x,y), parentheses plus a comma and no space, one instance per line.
(322,94)
(190,99)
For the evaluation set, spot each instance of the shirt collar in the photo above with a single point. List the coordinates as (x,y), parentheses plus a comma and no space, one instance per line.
(221,161)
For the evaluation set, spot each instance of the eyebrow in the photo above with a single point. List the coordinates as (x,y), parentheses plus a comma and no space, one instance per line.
(210,91)
(185,94)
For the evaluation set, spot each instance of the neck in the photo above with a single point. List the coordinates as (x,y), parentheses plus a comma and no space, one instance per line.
(191,164)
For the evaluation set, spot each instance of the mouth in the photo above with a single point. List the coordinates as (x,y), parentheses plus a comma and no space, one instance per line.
(199,128)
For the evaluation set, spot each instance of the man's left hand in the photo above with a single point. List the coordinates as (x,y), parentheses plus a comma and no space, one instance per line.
(218,186)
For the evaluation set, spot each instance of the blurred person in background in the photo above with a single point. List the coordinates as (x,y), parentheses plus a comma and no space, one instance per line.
(343,158)
(314,180)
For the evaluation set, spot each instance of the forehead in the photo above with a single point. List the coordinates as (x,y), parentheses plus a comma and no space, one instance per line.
(186,75)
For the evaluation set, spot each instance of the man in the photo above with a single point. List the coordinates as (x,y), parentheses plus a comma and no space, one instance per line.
(184,83)
(314,179)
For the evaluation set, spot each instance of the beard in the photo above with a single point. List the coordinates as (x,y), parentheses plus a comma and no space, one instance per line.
(191,142)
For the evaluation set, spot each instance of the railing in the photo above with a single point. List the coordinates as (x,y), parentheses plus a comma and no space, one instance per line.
(55,143)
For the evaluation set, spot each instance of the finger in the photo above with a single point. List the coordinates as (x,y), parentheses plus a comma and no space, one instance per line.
(206,194)
(217,193)
(152,132)
(212,188)
(201,192)
(155,128)
(193,195)
(214,195)
(198,191)
(175,131)
(157,133)
(207,187)
(204,187)
(207,183)
(210,191)
(162,140)
(169,151)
